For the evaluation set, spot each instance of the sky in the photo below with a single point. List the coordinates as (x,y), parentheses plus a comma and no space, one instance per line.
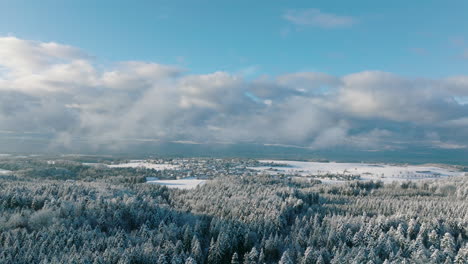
(370,75)
(411,38)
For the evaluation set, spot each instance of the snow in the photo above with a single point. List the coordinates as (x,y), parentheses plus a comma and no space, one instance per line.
(94,164)
(145,165)
(366,171)
(4,172)
(184,184)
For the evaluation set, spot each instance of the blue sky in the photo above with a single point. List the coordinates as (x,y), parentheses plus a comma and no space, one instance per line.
(410,38)
(369,75)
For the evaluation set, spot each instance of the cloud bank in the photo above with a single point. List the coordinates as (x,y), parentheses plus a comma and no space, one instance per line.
(62,92)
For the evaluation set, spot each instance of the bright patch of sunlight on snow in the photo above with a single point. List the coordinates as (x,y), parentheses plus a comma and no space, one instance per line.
(4,172)
(145,165)
(366,171)
(185,184)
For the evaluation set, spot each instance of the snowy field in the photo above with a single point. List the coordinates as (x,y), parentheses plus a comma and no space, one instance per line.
(366,171)
(143,164)
(185,184)
(4,172)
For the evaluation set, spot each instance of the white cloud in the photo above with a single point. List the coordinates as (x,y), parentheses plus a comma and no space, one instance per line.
(458,85)
(20,56)
(374,94)
(316,18)
(70,97)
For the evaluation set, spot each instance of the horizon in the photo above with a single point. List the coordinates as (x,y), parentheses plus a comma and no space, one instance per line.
(257,151)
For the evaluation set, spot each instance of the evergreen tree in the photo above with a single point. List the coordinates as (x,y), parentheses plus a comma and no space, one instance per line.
(261,257)
(190,260)
(235,258)
(213,253)
(462,256)
(308,256)
(285,258)
(447,245)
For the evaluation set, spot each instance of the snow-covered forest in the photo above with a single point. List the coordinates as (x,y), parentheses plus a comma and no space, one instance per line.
(67,212)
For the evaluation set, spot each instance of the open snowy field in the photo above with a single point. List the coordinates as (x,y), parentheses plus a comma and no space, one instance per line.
(4,172)
(144,164)
(366,171)
(185,184)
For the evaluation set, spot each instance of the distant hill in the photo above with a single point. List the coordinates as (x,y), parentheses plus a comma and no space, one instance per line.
(171,149)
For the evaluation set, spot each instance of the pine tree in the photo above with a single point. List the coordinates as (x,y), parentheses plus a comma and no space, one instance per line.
(196,251)
(448,260)
(285,258)
(235,258)
(162,259)
(187,239)
(447,245)
(261,257)
(433,238)
(190,260)
(253,256)
(413,228)
(308,256)
(213,253)
(462,256)
(320,260)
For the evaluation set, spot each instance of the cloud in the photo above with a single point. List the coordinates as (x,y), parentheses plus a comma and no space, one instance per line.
(22,56)
(374,94)
(316,18)
(457,85)
(66,96)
